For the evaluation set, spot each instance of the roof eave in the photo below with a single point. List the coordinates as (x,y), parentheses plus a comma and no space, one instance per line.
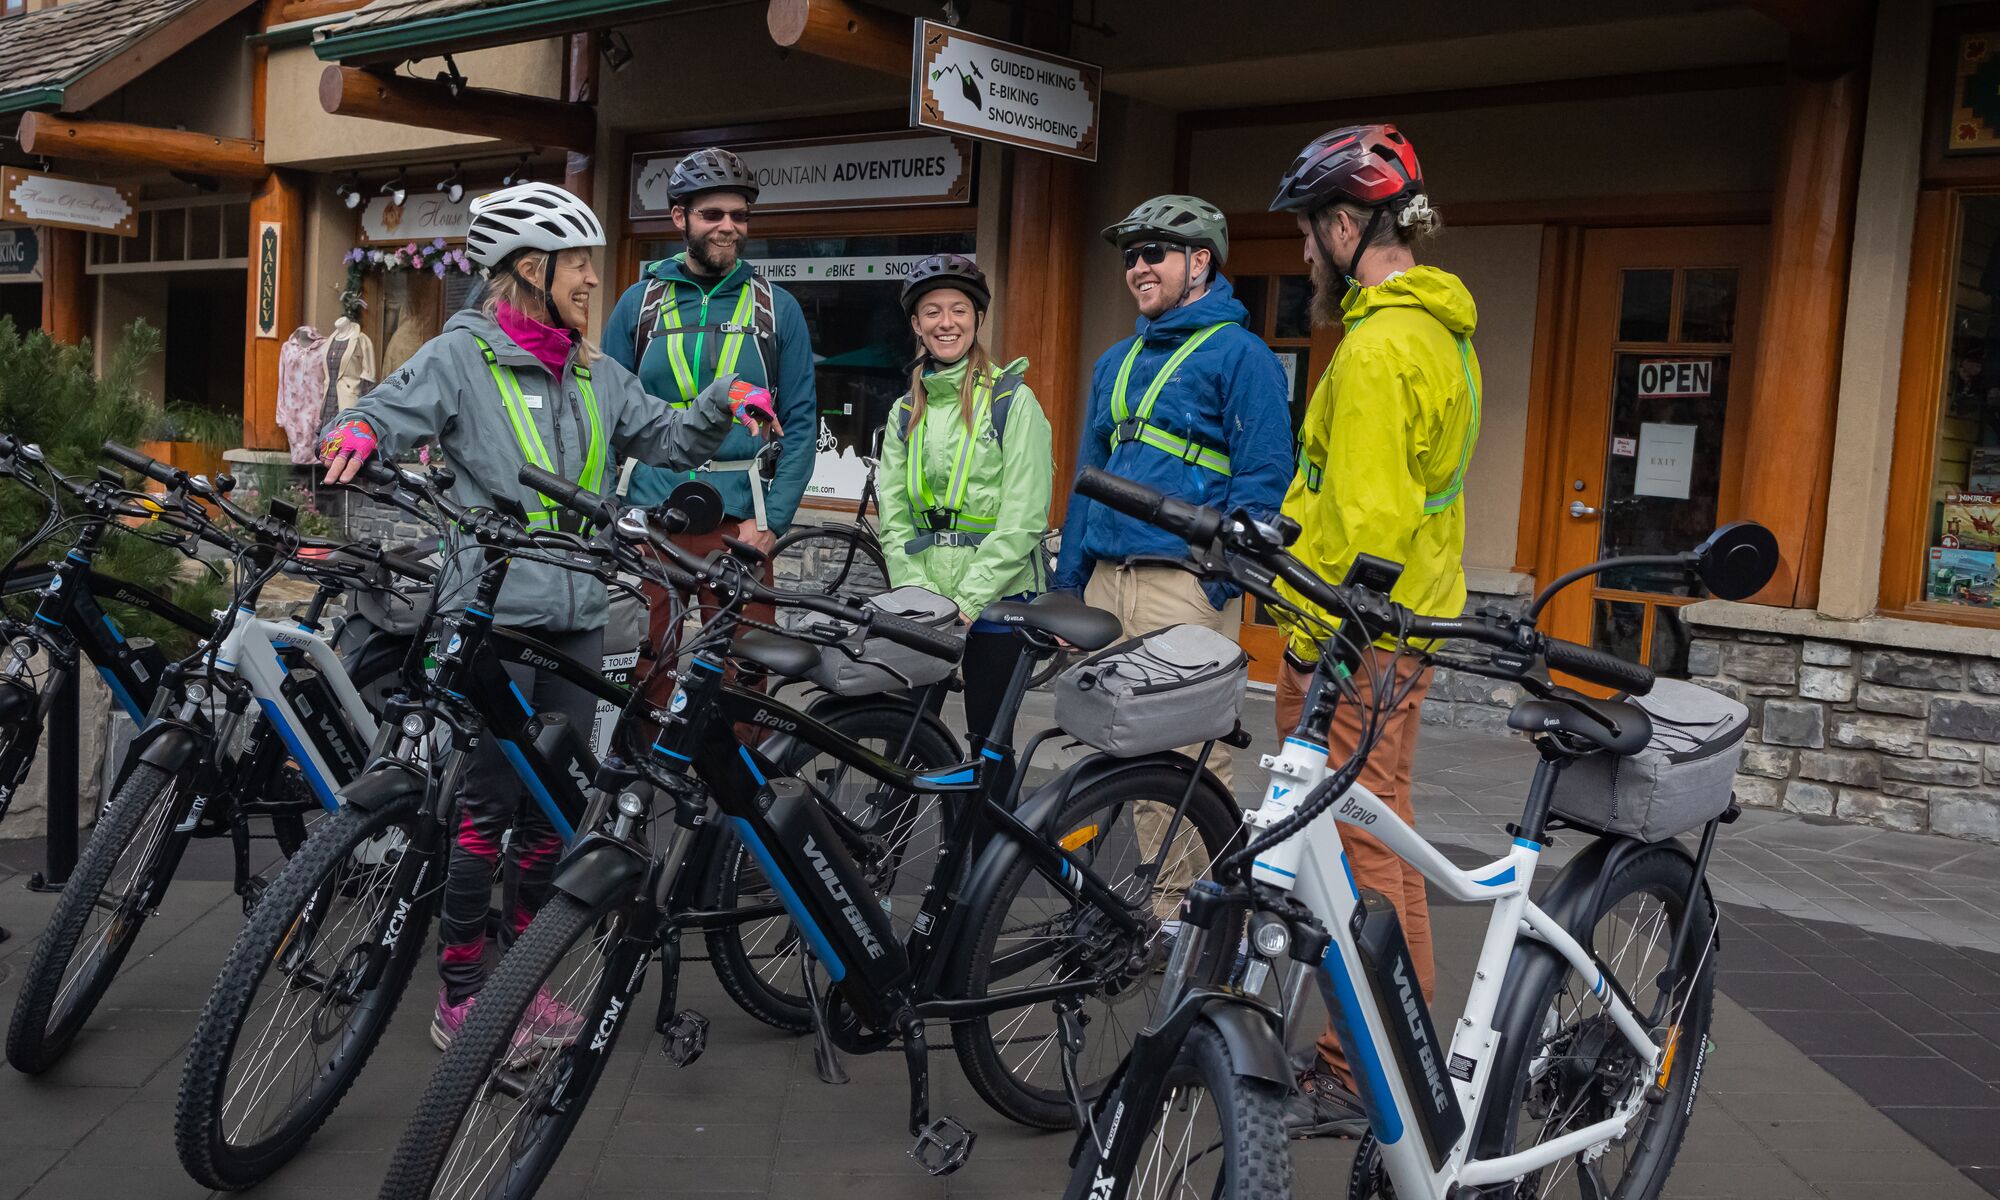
(39,96)
(521,21)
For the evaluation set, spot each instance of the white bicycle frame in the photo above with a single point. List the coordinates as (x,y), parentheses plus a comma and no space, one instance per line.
(251,653)
(1313,866)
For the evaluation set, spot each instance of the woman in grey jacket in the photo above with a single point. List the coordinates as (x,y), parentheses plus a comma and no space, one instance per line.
(514,381)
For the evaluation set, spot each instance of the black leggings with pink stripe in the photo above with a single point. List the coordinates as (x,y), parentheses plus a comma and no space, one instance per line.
(495,815)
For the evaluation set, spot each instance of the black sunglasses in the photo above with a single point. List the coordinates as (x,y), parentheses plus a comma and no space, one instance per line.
(1154,253)
(716,216)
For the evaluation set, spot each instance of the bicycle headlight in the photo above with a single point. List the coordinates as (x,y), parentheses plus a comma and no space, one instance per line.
(630,805)
(413,725)
(197,693)
(1270,936)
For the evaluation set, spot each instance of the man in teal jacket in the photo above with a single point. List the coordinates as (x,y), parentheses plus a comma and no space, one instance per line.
(706,312)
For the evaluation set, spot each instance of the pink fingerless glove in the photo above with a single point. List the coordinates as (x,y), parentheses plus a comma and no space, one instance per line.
(747,399)
(351,438)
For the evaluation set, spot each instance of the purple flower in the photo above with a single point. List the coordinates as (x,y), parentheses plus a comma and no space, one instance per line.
(437,243)
(439,268)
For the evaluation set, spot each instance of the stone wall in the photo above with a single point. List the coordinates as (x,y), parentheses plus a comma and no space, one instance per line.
(1900,738)
(1465,701)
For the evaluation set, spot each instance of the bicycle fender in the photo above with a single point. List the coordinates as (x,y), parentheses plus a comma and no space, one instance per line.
(167,745)
(599,869)
(17,701)
(380,784)
(1254,1034)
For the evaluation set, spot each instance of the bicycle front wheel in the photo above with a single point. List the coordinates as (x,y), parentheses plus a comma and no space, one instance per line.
(302,999)
(1568,1066)
(832,560)
(96,920)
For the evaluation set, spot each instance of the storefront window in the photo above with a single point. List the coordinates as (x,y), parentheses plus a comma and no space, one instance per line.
(1965,476)
(850,289)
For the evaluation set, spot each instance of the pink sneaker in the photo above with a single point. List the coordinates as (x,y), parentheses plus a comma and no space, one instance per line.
(449,1019)
(548,1022)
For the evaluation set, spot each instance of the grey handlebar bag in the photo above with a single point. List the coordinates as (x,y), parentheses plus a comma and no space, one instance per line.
(1173,687)
(880,665)
(1681,781)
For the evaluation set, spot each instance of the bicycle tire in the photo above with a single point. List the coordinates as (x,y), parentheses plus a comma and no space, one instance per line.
(54,1004)
(1530,1074)
(1089,827)
(333,870)
(425,1151)
(834,560)
(1249,1131)
(751,958)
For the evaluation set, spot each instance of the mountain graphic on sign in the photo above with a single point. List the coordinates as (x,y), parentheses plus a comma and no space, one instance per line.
(965,83)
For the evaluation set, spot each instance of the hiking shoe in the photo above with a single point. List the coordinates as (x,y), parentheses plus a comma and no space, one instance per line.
(449,1019)
(1320,1104)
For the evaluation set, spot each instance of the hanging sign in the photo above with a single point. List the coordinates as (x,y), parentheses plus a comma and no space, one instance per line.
(417,219)
(269,233)
(36,199)
(20,256)
(965,83)
(1660,378)
(893,170)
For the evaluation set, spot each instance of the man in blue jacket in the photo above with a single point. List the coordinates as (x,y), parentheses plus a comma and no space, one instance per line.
(1193,404)
(706,312)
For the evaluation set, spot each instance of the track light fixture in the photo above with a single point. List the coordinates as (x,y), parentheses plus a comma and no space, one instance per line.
(519,174)
(453,185)
(397,189)
(350,192)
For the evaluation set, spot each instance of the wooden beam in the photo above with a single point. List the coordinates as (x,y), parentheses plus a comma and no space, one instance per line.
(484,112)
(1796,381)
(1044,296)
(67,292)
(280,200)
(306,10)
(119,143)
(580,87)
(850,31)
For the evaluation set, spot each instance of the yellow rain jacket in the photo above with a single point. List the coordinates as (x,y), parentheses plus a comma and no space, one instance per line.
(1386,443)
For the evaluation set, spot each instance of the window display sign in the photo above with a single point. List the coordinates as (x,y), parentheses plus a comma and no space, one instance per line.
(20,256)
(1971,521)
(893,170)
(1666,460)
(1687,378)
(418,219)
(65,203)
(966,83)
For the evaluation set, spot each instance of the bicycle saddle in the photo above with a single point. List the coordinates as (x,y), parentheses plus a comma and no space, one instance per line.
(784,657)
(1612,725)
(1058,614)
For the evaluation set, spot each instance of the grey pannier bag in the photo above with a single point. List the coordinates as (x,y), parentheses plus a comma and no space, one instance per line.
(865,675)
(1173,687)
(1680,781)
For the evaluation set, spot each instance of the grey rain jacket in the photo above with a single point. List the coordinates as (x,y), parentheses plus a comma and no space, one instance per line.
(445,395)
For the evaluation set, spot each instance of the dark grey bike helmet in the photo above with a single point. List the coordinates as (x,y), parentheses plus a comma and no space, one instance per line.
(1188,220)
(710,170)
(946,270)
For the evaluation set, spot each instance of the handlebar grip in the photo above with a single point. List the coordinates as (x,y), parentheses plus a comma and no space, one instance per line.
(1596,666)
(567,494)
(937,643)
(409,568)
(378,472)
(151,468)
(1189,522)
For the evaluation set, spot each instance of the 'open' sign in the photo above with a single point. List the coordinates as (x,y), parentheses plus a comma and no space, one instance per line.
(1692,377)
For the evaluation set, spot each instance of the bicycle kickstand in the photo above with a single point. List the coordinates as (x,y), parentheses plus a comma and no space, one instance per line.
(1069,1032)
(826,1060)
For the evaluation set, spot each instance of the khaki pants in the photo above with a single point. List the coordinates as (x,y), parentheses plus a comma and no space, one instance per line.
(1387,774)
(1145,598)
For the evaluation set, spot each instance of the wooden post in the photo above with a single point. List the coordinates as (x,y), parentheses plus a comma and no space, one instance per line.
(508,116)
(580,87)
(849,31)
(1797,377)
(1044,296)
(68,295)
(281,200)
(125,145)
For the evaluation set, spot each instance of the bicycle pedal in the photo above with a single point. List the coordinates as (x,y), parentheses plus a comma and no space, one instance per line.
(684,1038)
(943,1146)
(253,893)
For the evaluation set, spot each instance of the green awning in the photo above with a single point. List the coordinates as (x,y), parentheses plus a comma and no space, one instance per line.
(395,30)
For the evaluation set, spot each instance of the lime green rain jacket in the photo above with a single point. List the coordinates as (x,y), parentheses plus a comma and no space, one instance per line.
(1007,481)
(1386,442)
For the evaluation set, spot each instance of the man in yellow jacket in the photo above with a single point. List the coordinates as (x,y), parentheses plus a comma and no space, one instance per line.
(1382,460)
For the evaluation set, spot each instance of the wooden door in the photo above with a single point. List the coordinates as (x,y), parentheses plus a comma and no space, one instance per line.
(1651,427)
(1269,275)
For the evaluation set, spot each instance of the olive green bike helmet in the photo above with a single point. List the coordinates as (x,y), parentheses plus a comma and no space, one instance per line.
(1190,220)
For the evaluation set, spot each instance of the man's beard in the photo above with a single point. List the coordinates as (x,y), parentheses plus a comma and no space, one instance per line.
(1328,291)
(710,259)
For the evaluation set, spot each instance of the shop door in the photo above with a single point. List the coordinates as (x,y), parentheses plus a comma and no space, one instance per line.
(1653,417)
(1269,275)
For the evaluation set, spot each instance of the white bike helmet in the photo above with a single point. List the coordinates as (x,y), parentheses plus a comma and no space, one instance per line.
(528,216)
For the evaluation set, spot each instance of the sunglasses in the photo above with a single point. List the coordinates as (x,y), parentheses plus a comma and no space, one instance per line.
(1154,253)
(716,216)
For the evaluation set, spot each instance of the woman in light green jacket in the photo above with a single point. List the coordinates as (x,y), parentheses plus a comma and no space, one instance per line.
(965,477)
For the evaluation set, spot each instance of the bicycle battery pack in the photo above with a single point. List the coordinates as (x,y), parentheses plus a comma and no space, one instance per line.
(338,744)
(1385,954)
(836,897)
(562,745)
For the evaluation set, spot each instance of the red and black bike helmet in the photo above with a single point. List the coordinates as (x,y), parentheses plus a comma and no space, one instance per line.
(1372,166)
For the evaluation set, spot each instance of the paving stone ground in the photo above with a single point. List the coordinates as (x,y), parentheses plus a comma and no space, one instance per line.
(1855,1040)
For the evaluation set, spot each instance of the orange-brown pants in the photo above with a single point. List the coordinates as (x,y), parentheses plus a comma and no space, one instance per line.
(663,632)
(1387,774)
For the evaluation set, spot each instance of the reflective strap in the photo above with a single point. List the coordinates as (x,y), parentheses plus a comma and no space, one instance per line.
(1137,430)
(1311,470)
(597,449)
(670,324)
(1439,501)
(687,374)
(936,517)
(525,434)
(754,473)
(732,343)
(942,537)
(1119,411)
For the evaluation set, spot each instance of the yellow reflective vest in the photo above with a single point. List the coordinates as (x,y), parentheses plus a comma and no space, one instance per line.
(1387,441)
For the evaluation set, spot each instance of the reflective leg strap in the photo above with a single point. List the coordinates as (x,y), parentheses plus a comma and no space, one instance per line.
(756,477)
